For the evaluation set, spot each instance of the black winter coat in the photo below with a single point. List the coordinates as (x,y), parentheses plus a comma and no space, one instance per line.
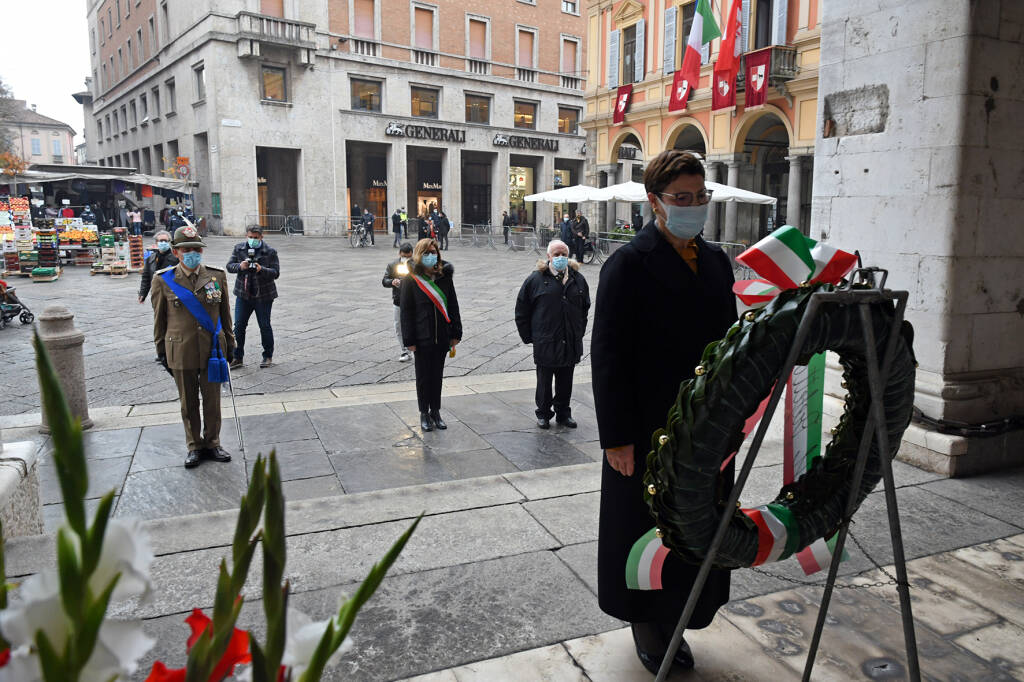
(422,322)
(391,273)
(653,319)
(157,260)
(249,284)
(553,316)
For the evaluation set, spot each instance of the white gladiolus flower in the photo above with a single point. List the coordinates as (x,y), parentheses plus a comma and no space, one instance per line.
(303,637)
(126,550)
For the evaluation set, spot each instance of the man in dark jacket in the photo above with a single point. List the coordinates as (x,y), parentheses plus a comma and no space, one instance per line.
(443,227)
(551,313)
(257,267)
(580,230)
(157,260)
(506,223)
(565,230)
(368,219)
(396,226)
(393,276)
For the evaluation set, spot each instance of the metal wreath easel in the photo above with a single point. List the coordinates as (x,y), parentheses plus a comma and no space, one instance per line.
(864,299)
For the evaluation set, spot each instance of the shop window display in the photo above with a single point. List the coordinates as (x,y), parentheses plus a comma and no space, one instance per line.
(568,120)
(424,102)
(525,115)
(478,109)
(365,95)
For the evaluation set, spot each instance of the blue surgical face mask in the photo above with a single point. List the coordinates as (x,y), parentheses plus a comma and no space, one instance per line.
(163,246)
(191,259)
(685,222)
(429,260)
(254,243)
(560,263)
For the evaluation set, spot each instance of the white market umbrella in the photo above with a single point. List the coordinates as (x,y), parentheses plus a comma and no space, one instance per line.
(565,195)
(634,191)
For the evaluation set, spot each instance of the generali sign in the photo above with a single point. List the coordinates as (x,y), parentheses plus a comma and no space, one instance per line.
(520,142)
(418,132)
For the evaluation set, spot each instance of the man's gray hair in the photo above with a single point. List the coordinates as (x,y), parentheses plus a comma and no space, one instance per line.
(554,244)
(163,232)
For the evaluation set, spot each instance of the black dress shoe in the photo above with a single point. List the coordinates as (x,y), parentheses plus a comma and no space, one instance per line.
(684,657)
(650,661)
(426,423)
(543,422)
(217,454)
(192,459)
(568,422)
(435,416)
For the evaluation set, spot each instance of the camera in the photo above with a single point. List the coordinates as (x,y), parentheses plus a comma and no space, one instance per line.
(252,257)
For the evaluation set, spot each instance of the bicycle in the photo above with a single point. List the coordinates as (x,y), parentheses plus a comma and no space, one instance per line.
(359,236)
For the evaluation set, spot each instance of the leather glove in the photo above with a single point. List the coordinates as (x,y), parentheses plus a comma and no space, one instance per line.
(163,361)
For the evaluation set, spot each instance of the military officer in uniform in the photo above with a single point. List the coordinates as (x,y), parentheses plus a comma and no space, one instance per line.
(185,304)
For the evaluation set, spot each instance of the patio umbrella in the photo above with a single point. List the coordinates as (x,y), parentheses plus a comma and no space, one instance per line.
(634,191)
(565,195)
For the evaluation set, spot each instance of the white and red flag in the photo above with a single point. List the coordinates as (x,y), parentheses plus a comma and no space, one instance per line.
(702,31)
(723,82)
(622,99)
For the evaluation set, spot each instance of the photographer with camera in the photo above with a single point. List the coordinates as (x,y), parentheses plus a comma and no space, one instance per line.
(256,267)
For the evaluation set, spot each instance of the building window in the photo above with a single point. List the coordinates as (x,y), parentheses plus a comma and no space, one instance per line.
(127,8)
(144,107)
(365,95)
(124,117)
(364,26)
(58,148)
(165,26)
(103,32)
(36,147)
(171,97)
(110,23)
(568,120)
(570,63)
(131,55)
(199,82)
(628,70)
(478,109)
(109,129)
(120,62)
(152,35)
(570,7)
(138,35)
(526,115)
(117,126)
(105,83)
(424,102)
(99,130)
(274,84)
(423,21)
(156,102)
(524,48)
(683,31)
(92,40)
(117,4)
(135,114)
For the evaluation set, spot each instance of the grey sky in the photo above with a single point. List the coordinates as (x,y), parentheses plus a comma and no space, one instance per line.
(46,55)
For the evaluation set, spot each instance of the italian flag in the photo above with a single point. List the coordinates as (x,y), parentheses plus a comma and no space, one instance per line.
(787,258)
(646,559)
(755,293)
(702,31)
(818,555)
(435,294)
(777,532)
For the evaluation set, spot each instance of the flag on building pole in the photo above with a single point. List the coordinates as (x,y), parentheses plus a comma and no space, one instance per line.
(622,99)
(759,66)
(723,82)
(702,31)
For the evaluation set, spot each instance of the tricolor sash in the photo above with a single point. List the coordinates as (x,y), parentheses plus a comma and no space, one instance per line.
(435,295)
(217,368)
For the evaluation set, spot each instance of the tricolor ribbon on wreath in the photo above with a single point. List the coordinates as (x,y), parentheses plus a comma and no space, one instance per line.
(784,259)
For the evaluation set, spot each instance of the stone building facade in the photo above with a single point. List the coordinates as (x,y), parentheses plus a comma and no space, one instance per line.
(310,108)
(767,149)
(37,138)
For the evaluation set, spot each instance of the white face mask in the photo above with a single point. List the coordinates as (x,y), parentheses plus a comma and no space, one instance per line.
(685,222)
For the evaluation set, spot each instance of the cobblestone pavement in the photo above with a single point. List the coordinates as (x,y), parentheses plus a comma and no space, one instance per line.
(333,324)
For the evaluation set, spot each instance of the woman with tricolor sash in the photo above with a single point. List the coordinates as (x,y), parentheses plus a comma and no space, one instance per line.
(431,325)
(662,298)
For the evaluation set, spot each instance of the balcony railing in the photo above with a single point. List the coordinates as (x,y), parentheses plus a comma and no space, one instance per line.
(572,82)
(276,31)
(477,66)
(526,75)
(424,57)
(367,48)
(782,66)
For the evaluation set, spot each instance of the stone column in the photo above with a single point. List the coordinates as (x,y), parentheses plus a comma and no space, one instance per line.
(732,179)
(921,173)
(795,188)
(499,190)
(63,343)
(710,228)
(398,190)
(451,183)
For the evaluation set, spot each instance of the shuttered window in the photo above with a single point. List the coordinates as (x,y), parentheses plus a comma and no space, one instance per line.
(424,19)
(613,59)
(569,56)
(669,56)
(525,59)
(363,11)
(477,39)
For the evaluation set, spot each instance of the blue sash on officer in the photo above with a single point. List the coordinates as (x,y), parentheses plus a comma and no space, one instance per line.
(217,369)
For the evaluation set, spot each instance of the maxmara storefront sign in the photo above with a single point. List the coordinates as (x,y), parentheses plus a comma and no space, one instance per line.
(520,142)
(418,132)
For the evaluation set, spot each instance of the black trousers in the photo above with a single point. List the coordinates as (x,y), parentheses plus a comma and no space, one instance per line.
(442,239)
(577,248)
(557,405)
(429,360)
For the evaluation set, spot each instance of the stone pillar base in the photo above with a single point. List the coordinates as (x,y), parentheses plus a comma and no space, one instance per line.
(19,490)
(946,454)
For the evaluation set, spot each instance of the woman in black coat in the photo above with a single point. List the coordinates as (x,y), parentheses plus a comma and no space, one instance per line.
(431,325)
(662,299)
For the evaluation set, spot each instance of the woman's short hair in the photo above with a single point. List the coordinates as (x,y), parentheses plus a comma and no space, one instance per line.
(422,246)
(164,233)
(669,165)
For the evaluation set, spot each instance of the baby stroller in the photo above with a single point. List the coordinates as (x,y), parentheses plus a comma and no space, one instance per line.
(11,307)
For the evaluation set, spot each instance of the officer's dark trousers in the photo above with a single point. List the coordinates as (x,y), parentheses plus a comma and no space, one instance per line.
(191,385)
(557,405)
(244,308)
(429,370)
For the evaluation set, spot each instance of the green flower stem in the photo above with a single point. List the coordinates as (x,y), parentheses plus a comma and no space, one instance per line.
(275,595)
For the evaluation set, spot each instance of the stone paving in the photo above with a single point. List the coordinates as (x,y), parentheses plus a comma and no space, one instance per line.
(333,324)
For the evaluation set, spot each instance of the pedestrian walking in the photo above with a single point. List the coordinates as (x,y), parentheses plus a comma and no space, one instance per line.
(394,276)
(135,218)
(190,304)
(443,226)
(405,224)
(396,226)
(431,326)
(257,268)
(551,313)
(581,230)
(663,297)
(368,219)
(506,223)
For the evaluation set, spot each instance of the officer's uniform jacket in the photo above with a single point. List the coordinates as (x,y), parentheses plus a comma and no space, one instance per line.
(178,334)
